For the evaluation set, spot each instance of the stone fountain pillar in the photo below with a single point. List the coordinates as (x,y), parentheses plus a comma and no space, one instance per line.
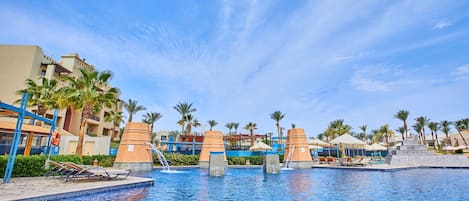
(217,164)
(213,142)
(297,150)
(271,163)
(133,151)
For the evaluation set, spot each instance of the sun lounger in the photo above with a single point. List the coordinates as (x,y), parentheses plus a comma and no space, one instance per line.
(322,159)
(58,169)
(92,172)
(360,162)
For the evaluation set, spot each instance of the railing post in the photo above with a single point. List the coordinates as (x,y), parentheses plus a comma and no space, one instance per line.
(16,139)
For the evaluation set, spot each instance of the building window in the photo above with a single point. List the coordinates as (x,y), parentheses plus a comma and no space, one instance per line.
(43,72)
(163,138)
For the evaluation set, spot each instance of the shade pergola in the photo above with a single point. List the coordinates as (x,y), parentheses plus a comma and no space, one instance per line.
(375,147)
(260,146)
(347,140)
(317,142)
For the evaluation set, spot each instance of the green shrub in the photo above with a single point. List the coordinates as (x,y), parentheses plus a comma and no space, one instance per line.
(177,159)
(103,160)
(236,161)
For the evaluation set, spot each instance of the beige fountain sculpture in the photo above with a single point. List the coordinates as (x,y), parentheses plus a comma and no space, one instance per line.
(134,152)
(213,142)
(297,154)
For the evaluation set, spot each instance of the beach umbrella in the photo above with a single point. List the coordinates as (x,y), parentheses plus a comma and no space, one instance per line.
(260,146)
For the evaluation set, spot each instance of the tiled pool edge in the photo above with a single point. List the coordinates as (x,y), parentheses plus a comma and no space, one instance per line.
(90,191)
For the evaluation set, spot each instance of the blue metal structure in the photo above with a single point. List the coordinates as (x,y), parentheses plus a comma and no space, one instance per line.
(17,135)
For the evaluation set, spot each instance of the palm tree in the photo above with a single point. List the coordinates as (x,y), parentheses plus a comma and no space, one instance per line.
(401,131)
(88,93)
(191,121)
(151,118)
(212,123)
(377,135)
(422,121)
(461,125)
(132,108)
(251,127)
(116,117)
(387,133)
(433,126)
(229,126)
(418,128)
(184,108)
(277,116)
(403,115)
(43,95)
(444,127)
(235,126)
(329,133)
(363,128)
(339,127)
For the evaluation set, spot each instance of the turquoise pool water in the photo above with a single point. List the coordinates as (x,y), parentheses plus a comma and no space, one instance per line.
(310,184)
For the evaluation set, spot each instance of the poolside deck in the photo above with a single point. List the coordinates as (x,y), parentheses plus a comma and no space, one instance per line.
(42,188)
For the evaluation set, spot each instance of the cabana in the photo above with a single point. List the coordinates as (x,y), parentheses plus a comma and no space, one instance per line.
(347,140)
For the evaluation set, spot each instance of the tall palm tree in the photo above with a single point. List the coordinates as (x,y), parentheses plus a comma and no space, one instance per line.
(277,116)
(191,121)
(418,129)
(132,108)
(422,121)
(88,93)
(461,126)
(151,118)
(212,123)
(229,126)
(403,115)
(116,117)
(445,128)
(433,126)
(363,128)
(251,126)
(387,133)
(184,108)
(42,95)
(235,126)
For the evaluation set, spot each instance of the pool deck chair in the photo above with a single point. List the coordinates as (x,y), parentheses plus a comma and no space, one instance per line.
(58,169)
(94,172)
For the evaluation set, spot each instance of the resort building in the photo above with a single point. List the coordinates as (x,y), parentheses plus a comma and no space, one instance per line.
(19,63)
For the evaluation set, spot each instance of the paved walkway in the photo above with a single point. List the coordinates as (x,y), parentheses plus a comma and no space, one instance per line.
(30,187)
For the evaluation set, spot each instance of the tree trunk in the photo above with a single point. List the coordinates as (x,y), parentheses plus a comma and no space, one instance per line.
(189,129)
(252,138)
(447,141)
(464,140)
(81,137)
(405,128)
(130,117)
(437,143)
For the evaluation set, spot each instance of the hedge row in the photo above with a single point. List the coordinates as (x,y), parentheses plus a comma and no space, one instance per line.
(33,166)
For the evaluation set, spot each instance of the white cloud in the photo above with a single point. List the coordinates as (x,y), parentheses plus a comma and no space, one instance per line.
(462,72)
(441,24)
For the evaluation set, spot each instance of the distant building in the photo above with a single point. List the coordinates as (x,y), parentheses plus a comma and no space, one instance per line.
(19,63)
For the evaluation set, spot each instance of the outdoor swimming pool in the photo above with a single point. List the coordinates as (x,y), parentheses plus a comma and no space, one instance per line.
(309,184)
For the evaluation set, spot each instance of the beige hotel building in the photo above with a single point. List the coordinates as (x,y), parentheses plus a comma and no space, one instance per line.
(18,63)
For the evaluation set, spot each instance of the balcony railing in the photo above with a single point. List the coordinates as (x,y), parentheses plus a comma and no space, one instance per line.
(94,117)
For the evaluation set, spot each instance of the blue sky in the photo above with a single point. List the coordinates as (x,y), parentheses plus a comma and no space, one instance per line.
(316,61)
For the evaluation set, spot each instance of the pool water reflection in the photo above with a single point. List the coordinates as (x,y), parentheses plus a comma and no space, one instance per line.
(310,184)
